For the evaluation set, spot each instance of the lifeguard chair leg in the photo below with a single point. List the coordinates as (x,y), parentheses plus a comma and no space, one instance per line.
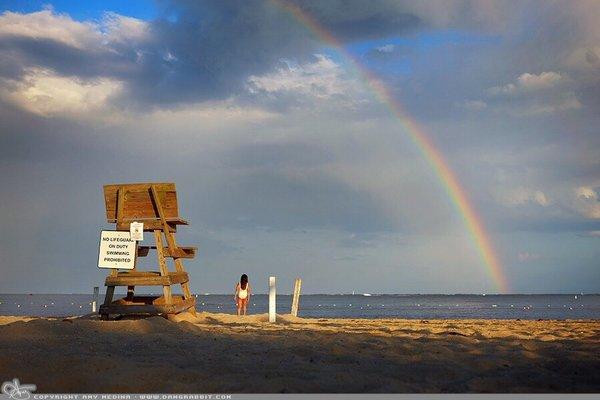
(185,286)
(163,266)
(110,291)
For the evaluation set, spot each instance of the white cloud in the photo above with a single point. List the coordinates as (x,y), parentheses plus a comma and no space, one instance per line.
(554,105)
(534,95)
(586,193)
(529,83)
(121,29)
(320,79)
(587,202)
(45,93)
(520,196)
(48,25)
(541,81)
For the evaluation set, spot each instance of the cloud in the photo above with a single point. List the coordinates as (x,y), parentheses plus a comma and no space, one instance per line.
(587,202)
(534,95)
(124,30)
(527,83)
(47,94)
(318,84)
(521,196)
(586,193)
(559,104)
(321,79)
(47,25)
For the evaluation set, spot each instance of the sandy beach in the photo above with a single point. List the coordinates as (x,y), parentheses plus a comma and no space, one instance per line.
(226,353)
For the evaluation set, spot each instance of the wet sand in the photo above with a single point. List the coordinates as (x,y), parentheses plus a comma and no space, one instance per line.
(226,353)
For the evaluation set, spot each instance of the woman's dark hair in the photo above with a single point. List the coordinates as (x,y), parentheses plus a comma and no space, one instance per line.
(244,281)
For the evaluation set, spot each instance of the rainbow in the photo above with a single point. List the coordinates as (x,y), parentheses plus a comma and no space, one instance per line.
(421,139)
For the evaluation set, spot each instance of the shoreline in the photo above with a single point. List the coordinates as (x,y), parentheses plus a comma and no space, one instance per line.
(226,353)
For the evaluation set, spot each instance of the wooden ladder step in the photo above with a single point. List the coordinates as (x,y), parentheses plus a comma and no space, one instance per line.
(146,278)
(142,251)
(180,252)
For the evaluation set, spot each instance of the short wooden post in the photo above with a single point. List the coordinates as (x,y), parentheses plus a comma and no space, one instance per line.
(272,300)
(296,297)
(95,298)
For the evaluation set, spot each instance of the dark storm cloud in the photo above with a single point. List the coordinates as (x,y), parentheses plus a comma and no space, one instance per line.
(217,45)
(360,20)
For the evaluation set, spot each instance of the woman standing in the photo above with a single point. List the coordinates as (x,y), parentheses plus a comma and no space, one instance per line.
(242,294)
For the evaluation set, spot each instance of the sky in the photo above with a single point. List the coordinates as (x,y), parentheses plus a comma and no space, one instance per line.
(286,160)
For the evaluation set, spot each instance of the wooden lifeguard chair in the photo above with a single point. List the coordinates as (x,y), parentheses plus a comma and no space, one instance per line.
(154,204)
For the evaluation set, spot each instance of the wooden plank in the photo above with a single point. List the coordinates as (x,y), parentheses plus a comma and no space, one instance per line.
(185,286)
(161,214)
(181,252)
(147,278)
(162,186)
(120,205)
(148,220)
(162,265)
(138,203)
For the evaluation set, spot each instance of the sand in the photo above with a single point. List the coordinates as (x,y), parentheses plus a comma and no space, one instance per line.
(226,353)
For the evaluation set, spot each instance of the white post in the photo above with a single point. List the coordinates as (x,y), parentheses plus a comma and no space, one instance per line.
(95,299)
(272,300)
(296,297)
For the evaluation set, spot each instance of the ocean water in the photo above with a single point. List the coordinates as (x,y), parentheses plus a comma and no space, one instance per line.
(427,306)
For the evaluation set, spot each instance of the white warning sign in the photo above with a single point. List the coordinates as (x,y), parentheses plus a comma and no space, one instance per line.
(137,231)
(117,250)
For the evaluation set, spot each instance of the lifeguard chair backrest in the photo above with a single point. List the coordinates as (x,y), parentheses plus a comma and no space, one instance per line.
(137,201)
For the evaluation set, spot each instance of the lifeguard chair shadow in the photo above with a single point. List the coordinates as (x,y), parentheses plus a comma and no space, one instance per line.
(154,204)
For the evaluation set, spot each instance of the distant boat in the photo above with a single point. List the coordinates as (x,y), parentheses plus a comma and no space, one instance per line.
(366,294)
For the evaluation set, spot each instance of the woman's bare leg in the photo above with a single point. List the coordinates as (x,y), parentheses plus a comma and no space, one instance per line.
(239,308)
